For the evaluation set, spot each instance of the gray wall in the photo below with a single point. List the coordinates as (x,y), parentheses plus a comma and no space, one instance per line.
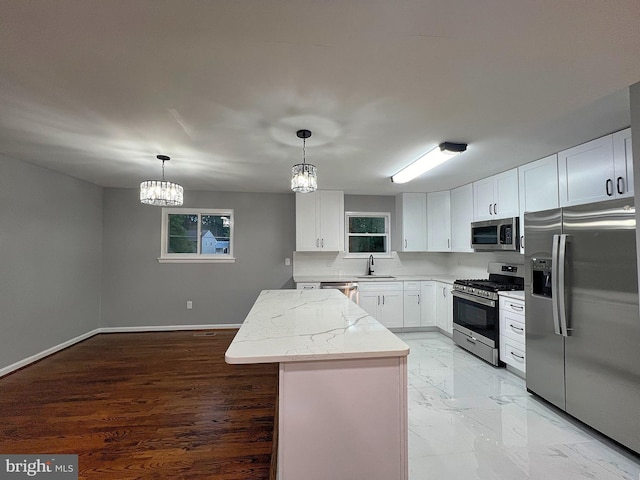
(50,241)
(139,291)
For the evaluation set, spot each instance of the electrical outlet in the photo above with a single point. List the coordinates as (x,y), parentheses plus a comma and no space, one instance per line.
(287,261)
(189,304)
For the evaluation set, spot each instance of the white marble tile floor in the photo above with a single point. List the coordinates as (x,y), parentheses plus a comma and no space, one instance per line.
(471,421)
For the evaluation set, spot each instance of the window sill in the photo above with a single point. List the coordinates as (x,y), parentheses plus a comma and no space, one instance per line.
(196,260)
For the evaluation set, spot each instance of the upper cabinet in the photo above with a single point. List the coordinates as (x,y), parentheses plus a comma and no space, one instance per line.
(411,222)
(439,221)
(496,196)
(538,188)
(596,170)
(623,163)
(461,218)
(320,221)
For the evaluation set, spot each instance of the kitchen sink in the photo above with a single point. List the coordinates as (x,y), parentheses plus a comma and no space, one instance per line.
(376,276)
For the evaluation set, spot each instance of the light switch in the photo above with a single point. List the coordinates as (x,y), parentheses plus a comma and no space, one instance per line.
(189,304)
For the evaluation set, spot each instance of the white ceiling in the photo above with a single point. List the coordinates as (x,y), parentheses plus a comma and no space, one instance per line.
(97,88)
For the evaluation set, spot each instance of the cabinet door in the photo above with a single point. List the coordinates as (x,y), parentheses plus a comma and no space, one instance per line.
(506,194)
(483,203)
(623,163)
(369,301)
(411,218)
(444,307)
(439,221)
(461,218)
(585,172)
(331,220)
(412,308)
(391,309)
(538,188)
(427,304)
(307,236)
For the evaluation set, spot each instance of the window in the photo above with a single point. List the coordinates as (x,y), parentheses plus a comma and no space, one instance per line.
(196,235)
(367,233)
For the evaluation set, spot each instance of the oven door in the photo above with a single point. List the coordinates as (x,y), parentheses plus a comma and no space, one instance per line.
(476,314)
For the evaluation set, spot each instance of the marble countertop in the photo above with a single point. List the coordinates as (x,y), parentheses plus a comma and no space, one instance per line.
(303,325)
(518,294)
(355,278)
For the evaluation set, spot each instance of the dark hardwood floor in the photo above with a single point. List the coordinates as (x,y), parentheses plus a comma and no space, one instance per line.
(145,405)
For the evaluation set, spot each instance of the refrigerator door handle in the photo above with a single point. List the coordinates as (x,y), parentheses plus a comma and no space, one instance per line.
(555,262)
(562,301)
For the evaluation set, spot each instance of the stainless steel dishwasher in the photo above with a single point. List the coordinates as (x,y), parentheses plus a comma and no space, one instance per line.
(350,289)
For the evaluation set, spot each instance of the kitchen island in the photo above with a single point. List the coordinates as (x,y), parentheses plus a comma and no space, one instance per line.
(342,387)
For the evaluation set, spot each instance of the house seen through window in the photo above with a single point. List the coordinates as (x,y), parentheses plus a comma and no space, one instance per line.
(197,235)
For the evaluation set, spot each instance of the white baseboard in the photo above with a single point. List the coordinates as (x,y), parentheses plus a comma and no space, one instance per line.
(169,328)
(161,328)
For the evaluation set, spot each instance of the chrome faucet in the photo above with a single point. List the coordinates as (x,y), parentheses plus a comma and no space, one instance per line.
(370,265)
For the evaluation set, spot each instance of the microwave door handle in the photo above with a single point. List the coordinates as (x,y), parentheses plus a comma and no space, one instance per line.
(555,285)
(562,301)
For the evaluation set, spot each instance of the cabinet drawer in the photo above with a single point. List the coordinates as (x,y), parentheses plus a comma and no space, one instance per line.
(514,355)
(411,286)
(513,328)
(380,286)
(511,305)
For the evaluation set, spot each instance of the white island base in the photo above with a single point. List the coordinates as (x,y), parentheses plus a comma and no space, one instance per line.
(343,385)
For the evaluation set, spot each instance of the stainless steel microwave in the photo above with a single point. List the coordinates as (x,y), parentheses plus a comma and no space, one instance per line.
(495,235)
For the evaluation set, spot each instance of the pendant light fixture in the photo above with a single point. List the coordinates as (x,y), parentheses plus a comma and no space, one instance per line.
(434,157)
(304,178)
(160,192)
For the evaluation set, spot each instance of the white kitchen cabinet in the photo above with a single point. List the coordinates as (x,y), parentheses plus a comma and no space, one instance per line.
(412,301)
(411,222)
(601,169)
(320,221)
(461,218)
(427,303)
(623,163)
(496,196)
(384,301)
(538,188)
(439,221)
(444,307)
(512,333)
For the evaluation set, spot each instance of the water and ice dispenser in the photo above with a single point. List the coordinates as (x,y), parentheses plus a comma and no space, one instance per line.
(541,281)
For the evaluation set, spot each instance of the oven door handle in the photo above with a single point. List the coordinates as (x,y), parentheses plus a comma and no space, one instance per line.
(475,299)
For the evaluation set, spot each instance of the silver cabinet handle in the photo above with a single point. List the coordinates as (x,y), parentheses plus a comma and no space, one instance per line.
(448,243)
(490,210)
(495,211)
(516,307)
(609,183)
(620,185)
(322,243)
(378,299)
(521,241)
(317,242)
(521,357)
(520,329)
(418,299)
(382,299)
(405,243)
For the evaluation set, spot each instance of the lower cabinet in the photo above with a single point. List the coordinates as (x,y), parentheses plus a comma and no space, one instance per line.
(412,304)
(444,307)
(384,301)
(427,303)
(512,333)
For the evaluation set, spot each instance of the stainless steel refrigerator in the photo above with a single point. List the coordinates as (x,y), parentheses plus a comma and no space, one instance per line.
(582,318)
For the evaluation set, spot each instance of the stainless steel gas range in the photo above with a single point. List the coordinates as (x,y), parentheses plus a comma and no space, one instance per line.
(475,309)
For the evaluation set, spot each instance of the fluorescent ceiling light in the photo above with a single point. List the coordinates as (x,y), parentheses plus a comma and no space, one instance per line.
(429,160)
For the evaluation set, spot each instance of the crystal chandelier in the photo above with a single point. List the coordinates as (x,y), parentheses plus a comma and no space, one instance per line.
(160,192)
(304,178)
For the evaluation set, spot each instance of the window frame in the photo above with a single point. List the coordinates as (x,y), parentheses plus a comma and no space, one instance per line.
(387,223)
(166,257)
